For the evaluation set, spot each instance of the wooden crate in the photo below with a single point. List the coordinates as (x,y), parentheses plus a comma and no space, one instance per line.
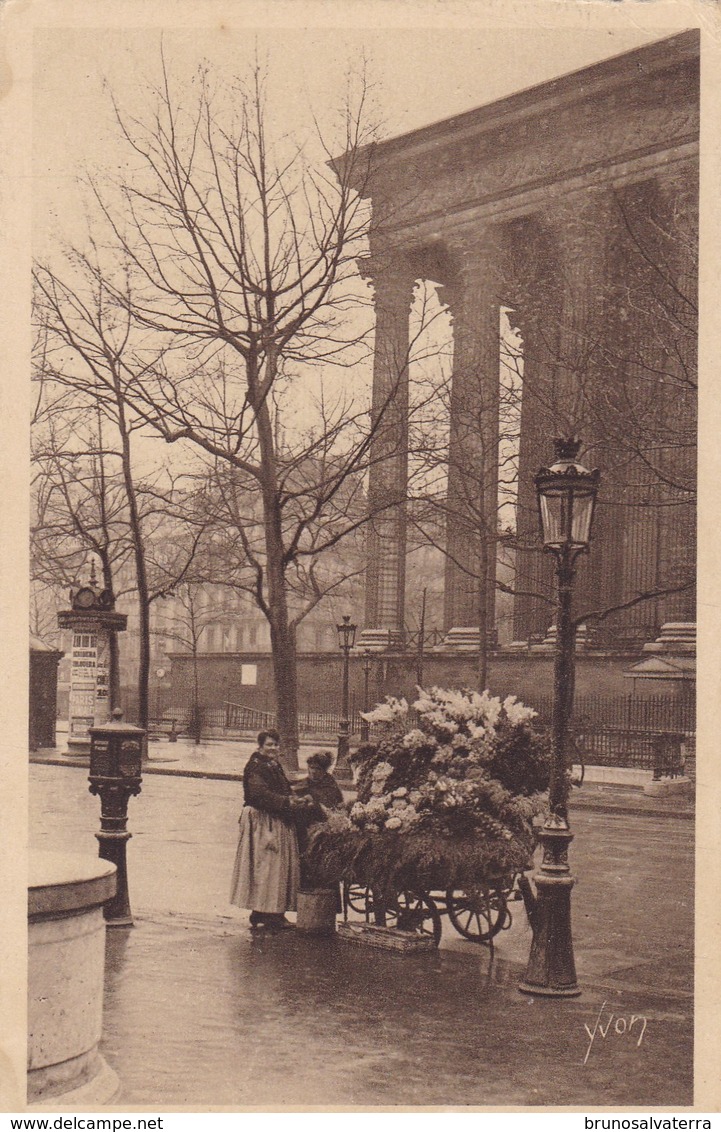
(389,939)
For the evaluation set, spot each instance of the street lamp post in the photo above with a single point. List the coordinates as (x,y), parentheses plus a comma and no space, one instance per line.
(346,640)
(365,726)
(566,498)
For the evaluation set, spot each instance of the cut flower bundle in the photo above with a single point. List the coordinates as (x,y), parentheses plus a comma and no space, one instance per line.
(446,796)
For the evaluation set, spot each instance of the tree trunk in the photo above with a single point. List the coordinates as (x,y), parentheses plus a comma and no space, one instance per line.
(197,722)
(483,615)
(421,643)
(140,571)
(286,692)
(144,658)
(114,674)
(113,647)
(282,633)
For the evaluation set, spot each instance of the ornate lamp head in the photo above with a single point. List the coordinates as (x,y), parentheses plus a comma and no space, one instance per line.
(346,633)
(566,499)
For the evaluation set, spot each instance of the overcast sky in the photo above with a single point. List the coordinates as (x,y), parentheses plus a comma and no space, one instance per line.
(421,75)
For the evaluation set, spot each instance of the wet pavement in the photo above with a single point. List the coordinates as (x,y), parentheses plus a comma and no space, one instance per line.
(201,1012)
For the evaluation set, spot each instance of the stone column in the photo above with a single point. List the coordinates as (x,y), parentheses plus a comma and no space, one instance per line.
(635,416)
(678,254)
(393,283)
(533,294)
(533,580)
(584,227)
(472,500)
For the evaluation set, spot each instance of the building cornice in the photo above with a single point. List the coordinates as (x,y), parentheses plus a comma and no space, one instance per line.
(587,84)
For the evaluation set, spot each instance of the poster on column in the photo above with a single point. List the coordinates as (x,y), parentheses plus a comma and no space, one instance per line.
(307,291)
(102,672)
(83,684)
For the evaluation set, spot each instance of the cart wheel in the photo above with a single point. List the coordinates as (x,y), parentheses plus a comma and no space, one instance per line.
(479,913)
(413,912)
(358,898)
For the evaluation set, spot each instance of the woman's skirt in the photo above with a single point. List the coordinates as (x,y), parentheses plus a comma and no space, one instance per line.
(266,874)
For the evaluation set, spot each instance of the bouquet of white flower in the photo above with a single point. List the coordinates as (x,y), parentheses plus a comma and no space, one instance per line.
(444,799)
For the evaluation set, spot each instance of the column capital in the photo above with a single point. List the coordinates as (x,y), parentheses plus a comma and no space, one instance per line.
(392,280)
(678,185)
(479,273)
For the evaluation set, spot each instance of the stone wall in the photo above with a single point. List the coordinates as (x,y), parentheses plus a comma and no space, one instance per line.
(319,676)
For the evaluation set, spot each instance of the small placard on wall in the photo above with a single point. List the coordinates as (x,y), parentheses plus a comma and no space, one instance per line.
(249,673)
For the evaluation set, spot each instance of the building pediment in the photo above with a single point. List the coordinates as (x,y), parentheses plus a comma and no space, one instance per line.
(664,668)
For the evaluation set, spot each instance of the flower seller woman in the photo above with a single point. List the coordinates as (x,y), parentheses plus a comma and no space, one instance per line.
(267,864)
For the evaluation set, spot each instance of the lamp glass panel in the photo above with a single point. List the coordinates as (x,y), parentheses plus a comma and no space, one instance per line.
(552,519)
(582,513)
(566,515)
(346,635)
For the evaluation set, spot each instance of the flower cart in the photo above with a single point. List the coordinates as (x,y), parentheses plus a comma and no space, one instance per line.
(478,911)
(444,820)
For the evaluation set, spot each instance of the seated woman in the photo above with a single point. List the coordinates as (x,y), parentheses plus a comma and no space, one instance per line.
(321,786)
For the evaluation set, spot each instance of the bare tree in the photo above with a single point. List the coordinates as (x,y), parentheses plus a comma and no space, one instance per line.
(186,617)
(234,262)
(90,497)
(80,510)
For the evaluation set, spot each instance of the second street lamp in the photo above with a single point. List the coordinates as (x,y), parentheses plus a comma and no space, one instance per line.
(566,499)
(365,726)
(346,640)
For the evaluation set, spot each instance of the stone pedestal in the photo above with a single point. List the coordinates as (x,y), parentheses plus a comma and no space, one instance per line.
(66,972)
(548,644)
(462,639)
(380,640)
(669,787)
(677,638)
(466,638)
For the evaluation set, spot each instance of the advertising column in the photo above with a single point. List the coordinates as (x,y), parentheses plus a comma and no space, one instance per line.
(92,620)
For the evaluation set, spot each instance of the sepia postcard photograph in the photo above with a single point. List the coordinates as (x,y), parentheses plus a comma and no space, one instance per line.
(358,511)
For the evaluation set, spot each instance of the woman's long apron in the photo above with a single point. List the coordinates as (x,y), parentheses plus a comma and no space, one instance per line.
(266,874)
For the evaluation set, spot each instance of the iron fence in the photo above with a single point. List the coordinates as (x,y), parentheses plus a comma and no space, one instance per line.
(657,714)
(320,722)
(627,731)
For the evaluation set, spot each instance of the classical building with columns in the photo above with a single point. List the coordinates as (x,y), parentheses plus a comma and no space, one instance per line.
(570,210)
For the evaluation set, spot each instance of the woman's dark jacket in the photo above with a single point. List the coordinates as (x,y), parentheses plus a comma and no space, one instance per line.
(265,786)
(324,791)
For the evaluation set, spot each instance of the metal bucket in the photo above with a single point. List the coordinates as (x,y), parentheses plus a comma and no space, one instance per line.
(317,909)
